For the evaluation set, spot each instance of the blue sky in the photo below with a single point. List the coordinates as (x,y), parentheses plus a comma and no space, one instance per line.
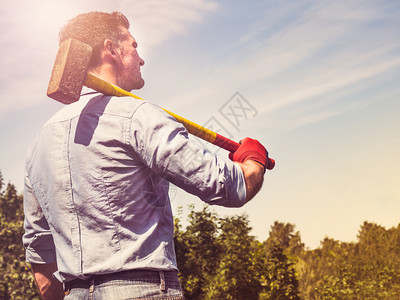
(322,79)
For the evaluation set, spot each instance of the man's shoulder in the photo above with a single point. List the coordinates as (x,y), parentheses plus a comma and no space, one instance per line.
(132,107)
(98,104)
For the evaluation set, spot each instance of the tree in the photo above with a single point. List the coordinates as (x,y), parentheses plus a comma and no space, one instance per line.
(197,251)
(367,269)
(235,277)
(216,257)
(219,259)
(16,279)
(280,279)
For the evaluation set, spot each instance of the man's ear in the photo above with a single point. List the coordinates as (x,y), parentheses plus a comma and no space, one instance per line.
(110,50)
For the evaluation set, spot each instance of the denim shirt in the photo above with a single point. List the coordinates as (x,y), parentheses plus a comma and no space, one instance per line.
(96,186)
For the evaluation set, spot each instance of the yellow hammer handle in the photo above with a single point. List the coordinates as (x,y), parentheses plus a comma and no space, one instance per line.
(109,89)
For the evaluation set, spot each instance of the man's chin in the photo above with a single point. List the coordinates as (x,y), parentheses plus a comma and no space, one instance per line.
(141,84)
(135,86)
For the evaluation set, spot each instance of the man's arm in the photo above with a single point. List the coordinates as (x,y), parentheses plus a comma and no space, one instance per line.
(252,157)
(49,287)
(254,177)
(39,246)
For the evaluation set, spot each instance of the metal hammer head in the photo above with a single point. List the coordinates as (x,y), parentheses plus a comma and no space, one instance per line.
(69,71)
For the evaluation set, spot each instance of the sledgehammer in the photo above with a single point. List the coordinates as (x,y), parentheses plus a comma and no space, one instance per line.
(70,74)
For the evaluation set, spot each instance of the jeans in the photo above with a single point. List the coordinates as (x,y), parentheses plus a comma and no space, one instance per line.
(136,284)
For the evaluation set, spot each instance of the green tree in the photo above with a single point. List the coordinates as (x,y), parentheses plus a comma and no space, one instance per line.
(281,247)
(235,277)
(16,279)
(197,251)
(367,269)
(378,246)
(219,259)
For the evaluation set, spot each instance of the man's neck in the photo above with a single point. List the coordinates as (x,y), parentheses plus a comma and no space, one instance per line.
(105,72)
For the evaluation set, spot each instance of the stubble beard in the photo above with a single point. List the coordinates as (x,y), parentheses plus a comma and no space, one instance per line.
(135,84)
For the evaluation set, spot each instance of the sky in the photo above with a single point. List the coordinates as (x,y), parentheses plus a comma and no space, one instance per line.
(317,82)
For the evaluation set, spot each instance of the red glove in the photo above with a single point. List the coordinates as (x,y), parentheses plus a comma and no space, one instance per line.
(250,149)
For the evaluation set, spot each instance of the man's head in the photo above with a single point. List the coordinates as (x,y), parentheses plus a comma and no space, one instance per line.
(112,43)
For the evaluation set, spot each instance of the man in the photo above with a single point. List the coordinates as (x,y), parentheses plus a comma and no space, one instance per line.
(97,213)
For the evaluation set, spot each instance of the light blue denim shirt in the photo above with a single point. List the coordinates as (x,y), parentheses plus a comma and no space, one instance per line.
(96,186)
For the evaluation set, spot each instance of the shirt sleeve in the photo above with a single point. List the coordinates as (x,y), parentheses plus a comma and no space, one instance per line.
(37,239)
(165,147)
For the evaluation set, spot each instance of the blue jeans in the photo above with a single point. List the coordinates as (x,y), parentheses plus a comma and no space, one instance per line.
(136,284)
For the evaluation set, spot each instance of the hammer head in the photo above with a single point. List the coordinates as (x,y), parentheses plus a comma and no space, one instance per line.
(69,71)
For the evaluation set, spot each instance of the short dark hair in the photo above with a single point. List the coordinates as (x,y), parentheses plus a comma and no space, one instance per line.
(94,28)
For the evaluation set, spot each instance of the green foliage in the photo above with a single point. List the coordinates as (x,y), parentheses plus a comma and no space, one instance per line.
(279,263)
(16,279)
(234,277)
(368,269)
(219,259)
(348,284)
(198,248)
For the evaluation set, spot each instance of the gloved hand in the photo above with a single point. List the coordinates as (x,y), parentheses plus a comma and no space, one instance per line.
(250,149)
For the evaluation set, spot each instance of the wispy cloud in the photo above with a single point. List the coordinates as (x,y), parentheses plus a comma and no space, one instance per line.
(307,57)
(323,80)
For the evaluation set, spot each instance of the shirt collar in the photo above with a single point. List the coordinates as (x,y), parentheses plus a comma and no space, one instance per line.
(88,91)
